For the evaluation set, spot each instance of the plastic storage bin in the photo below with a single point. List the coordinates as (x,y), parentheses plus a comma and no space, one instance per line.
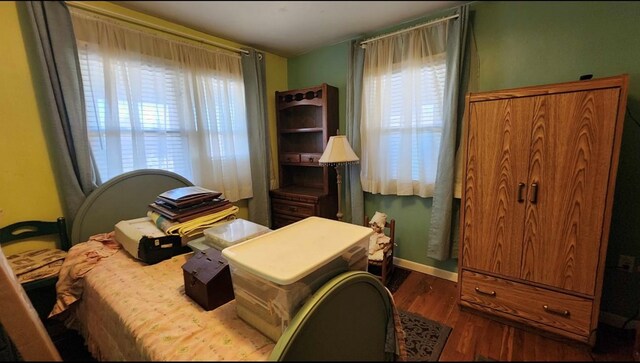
(273,274)
(229,233)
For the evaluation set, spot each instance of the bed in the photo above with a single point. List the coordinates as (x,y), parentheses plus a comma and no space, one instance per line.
(132,311)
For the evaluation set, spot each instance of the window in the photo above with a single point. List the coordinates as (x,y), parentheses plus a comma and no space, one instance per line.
(162,104)
(402,112)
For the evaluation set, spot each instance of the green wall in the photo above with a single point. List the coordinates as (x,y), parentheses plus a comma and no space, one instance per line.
(523,44)
(325,65)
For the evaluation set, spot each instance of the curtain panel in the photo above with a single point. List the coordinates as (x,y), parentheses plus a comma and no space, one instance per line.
(439,245)
(65,124)
(353,188)
(158,102)
(253,70)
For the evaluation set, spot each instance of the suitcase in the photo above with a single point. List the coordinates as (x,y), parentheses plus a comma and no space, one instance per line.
(144,241)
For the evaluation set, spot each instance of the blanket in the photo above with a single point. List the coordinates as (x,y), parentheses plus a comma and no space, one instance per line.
(81,259)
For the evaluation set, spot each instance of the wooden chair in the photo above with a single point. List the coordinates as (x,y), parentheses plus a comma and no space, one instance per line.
(41,292)
(383,269)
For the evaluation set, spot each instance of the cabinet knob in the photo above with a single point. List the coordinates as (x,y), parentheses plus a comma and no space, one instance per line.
(311,160)
(293,209)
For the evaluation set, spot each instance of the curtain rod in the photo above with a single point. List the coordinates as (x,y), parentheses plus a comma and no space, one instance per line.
(408,29)
(111,14)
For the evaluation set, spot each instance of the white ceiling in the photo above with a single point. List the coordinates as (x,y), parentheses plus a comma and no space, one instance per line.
(288,28)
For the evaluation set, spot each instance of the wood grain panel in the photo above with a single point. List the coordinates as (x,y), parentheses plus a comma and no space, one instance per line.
(570,162)
(496,162)
(527,302)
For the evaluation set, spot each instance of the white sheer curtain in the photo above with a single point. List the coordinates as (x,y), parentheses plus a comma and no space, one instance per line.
(402,111)
(155,102)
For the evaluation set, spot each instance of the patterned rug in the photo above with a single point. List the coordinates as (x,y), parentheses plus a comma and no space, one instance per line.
(424,338)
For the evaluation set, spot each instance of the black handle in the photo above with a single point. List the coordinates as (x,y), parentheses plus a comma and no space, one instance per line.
(520,192)
(534,193)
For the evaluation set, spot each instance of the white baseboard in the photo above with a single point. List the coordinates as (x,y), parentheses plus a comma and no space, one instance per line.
(429,270)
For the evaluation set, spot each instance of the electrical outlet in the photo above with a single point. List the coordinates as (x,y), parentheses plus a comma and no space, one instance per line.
(626,263)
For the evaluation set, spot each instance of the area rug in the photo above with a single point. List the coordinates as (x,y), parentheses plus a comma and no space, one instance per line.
(424,338)
(397,278)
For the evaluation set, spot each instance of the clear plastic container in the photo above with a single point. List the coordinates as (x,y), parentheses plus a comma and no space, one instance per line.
(274,274)
(229,233)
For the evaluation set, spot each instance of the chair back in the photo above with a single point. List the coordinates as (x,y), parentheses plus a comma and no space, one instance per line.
(30,229)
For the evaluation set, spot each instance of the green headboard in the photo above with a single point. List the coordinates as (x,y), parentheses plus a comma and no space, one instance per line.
(124,197)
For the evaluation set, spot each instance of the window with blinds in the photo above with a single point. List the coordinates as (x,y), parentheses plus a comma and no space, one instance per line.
(155,115)
(401,126)
(425,127)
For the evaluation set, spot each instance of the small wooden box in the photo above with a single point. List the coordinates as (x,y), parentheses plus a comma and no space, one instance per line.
(207,279)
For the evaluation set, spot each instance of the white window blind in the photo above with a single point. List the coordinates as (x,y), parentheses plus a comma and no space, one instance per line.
(426,120)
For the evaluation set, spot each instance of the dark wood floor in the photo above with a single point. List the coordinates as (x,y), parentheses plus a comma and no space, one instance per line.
(474,335)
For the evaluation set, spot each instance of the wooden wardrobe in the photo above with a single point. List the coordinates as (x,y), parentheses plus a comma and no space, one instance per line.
(539,175)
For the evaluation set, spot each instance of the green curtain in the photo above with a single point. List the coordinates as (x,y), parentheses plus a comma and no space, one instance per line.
(253,72)
(49,25)
(354,200)
(439,243)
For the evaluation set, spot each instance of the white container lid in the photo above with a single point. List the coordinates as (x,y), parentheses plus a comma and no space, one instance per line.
(288,254)
(238,230)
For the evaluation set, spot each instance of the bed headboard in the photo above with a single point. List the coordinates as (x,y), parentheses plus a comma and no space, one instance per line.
(126,196)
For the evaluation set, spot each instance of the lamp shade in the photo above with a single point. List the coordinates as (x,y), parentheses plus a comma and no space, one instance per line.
(338,152)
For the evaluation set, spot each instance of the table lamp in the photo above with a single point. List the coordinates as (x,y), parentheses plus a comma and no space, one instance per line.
(337,153)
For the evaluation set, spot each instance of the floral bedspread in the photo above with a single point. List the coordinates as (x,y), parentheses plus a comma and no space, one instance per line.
(133,311)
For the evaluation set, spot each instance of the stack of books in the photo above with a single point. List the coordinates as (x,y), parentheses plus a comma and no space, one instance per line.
(188,203)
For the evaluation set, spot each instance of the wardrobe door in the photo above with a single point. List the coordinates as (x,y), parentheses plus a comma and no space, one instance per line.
(494,185)
(571,148)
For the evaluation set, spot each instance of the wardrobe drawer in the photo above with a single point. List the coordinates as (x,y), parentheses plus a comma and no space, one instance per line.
(555,309)
(293,208)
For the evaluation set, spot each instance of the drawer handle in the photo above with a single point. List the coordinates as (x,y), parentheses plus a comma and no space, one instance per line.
(311,160)
(564,313)
(488,293)
(293,209)
(288,159)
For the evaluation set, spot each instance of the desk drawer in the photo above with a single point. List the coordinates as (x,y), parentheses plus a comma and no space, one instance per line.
(310,158)
(290,158)
(298,209)
(281,220)
(541,306)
